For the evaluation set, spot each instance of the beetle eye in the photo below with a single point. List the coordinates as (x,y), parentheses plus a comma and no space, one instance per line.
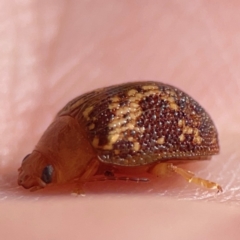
(25,157)
(47,174)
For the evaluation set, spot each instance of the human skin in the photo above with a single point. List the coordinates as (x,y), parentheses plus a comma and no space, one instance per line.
(53,51)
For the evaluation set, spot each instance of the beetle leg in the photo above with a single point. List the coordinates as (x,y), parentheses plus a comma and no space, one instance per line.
(109,175)
(163,168)
(123,178)
(90,171)
(134,179)
(190,177)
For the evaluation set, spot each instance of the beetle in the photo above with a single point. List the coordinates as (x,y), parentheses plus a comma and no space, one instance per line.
(122,129)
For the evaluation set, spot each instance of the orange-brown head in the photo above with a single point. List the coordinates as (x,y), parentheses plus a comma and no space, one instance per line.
(35,172)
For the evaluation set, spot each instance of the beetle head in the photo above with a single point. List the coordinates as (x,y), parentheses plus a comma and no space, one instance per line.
(35,172)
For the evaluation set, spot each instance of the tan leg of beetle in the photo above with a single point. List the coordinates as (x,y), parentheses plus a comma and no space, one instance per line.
(163,168)
(90,171)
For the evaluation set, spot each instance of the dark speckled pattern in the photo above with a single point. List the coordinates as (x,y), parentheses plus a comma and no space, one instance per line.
(168,124)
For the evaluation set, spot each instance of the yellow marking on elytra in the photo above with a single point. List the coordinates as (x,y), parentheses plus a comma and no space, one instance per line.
(197,139)
(122,111)
(87,111)
(171,99)
(190,131)
(136,146)
(173,106)
(136,98)
(115,99)
(171,93)
(116,123)
(107,147)
(161,140)
(132,92)
(114,105)
(130,139)
(181,137)
(130,126)
(187,130)
(126,116)
(133,105)
(181,122)
(172,103)
(113,138)
(150,92)
(149,87)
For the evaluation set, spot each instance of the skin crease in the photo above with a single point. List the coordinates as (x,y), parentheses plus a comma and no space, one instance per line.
(54,51)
